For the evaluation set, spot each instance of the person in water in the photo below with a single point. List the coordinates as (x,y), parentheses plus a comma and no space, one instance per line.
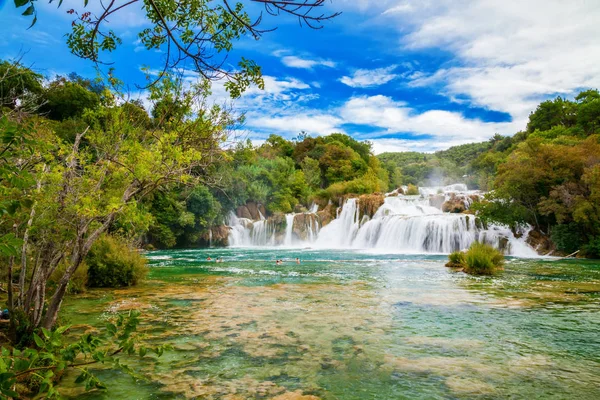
(297,260)
(208,258)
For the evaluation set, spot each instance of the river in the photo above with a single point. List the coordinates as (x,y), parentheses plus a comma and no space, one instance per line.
(354,325)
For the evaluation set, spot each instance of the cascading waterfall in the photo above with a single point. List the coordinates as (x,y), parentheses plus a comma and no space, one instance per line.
(289,224)
(407,224)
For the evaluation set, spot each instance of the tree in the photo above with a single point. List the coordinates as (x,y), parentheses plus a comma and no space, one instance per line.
(19,85)
(198,32)
(66,99)
(77,192)
(552,113)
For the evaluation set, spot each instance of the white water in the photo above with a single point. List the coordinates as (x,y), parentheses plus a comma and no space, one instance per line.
(406,224)
(289,223)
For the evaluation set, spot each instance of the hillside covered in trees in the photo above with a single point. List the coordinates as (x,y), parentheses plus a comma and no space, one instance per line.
(545,176)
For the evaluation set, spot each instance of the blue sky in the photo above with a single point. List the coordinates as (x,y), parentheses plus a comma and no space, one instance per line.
(406,75)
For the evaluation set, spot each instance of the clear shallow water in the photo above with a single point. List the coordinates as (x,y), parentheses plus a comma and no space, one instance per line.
(352,325)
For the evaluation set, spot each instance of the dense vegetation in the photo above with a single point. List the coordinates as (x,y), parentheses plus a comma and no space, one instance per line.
(479,259)
(547,176)
(86,174)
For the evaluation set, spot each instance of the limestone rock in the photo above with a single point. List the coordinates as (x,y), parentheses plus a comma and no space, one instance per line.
(243,212)
(262,210)
(437,201)
(455,204)
(327,214)
(220,236)
(368,204)
(303,223)
(253,209)
(541,243)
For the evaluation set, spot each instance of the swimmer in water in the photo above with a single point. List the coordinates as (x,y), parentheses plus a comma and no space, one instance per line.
(297,261)
(208,258)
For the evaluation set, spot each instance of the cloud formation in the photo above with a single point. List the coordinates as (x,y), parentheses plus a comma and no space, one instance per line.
(365,78)
(306,63)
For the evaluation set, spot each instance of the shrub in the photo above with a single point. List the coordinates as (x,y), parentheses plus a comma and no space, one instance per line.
(456,260)
(412,190)
(112,263)
(77,283)
(567,237)
(592,248)
(483,259)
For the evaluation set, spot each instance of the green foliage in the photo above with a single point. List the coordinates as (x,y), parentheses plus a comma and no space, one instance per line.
(55,352)
(18,85)
(552,113)
(65,99)
(456,259)
(77,284)
(592,248)
(503,211)
(568,238)
(482,259)
(112,263)
(201,33)
(412,190)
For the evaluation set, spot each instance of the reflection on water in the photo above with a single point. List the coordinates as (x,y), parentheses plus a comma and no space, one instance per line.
(345,325)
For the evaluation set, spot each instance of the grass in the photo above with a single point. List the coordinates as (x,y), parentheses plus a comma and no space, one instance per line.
(482,259)
(456,260)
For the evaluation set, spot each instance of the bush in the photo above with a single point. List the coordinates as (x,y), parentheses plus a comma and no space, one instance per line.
(567,237)
(592,248)
(456,260)
(112,263)
(483,259)
(77,283)
(412,190)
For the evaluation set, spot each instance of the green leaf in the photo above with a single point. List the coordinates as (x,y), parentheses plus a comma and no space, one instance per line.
(33,22)
(62,329)
(20,3)
(82,377)
(47,333)
(38,341)
(29,10)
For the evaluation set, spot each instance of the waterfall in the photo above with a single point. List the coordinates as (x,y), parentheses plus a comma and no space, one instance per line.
(289,224)
(404,224)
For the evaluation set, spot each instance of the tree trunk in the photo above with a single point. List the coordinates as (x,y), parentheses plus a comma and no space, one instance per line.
(11,314)
(24,259)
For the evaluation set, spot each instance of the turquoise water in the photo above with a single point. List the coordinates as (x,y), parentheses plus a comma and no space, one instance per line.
(354,325)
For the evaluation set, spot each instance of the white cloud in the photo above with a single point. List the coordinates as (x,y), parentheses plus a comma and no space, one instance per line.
(448,128)
(311,121)
(364,78)
(306,63)
(509,55)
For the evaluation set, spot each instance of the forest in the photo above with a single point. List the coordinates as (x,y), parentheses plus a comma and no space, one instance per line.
(545,176)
